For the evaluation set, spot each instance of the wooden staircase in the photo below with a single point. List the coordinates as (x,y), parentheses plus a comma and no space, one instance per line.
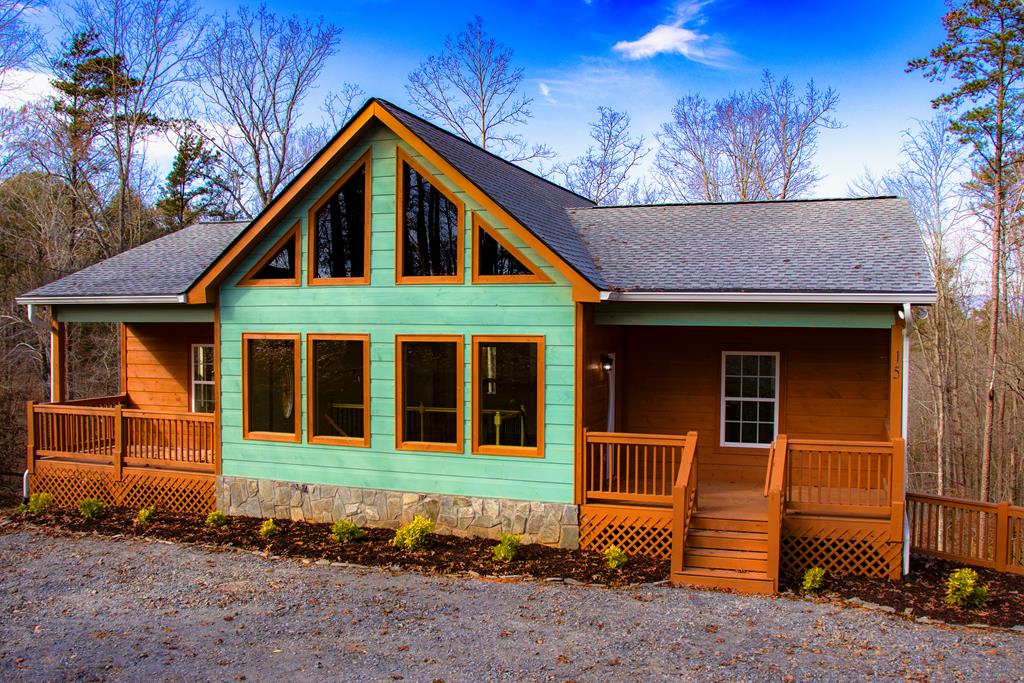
(723,552)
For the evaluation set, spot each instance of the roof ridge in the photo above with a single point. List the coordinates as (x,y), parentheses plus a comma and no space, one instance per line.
(743,202)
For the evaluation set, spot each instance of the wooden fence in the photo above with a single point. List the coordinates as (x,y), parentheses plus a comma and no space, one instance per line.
(635,468)
(981,534)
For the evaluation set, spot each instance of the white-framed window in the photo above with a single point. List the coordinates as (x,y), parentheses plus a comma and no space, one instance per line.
(750,403)
(204,398)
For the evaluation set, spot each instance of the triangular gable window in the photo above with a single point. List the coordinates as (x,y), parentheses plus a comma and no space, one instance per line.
(496,261)
(280,265)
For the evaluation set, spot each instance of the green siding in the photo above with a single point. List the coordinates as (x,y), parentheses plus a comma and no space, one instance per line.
(383,310)
(746,315)
(153,313)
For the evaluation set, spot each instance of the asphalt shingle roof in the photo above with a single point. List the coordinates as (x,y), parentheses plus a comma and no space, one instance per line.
(168,265)
(869,245)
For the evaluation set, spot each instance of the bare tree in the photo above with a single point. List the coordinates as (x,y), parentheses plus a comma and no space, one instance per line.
(758,144)
(20,41)
(255,71)
(473,88)
(602,173)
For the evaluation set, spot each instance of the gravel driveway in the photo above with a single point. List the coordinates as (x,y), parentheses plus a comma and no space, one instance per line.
(96,609)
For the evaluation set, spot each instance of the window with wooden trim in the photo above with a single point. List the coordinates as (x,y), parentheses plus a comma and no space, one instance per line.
(508,395)
(496,261)
(750,403)
(270,387)
(428,399)
(338,389)
(429,244)
(201,379)
(279,266)
(340,230)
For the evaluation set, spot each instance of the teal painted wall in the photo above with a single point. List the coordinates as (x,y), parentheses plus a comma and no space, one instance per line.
(856,316)
(382,310)
(154,313)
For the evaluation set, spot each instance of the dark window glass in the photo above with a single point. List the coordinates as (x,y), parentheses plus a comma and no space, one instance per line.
(749,398)
(281,265)
(495,259)
(507,404)
(341,230)
(430,235)
(338,376)
(430,376)
(271,385)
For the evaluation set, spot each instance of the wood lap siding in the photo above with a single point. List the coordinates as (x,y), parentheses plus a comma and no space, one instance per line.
(157,358)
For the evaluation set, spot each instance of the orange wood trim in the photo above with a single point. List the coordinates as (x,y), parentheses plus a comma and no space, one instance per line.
(579,362)
(30,439)
(216,391)
(536,276)
(366,162)
(250,279)
(582,289)
(460,420)
(295,436)
(122,333)
(402,157)
(476,403)
(311,435)
(896,380)
(58,359)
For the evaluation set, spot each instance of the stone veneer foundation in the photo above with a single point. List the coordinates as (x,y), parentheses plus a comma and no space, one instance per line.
(554,524)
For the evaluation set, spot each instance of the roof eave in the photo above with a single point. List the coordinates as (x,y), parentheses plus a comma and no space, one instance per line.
(134,299)
(914,298)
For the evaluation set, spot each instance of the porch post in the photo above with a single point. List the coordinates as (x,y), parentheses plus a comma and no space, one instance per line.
(896,380)
(58,360)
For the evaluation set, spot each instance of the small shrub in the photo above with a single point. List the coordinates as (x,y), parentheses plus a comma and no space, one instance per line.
(964,590)
(145,516)
(615,557)
(268,529)
(344,531)
(413,536)
(216,519)
(814,580)
(91,508)
(506,550)
(39,503)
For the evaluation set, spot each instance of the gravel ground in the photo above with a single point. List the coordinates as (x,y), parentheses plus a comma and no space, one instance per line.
(95,609)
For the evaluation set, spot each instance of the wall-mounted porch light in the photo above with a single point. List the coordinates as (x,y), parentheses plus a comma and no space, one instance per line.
(607,362)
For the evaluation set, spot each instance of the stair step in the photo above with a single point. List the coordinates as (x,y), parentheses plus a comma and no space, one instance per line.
(741,582)
(727,540)
(722,524)
(706,558)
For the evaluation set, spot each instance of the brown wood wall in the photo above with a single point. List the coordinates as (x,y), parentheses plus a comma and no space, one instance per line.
(156,363)
(834,384)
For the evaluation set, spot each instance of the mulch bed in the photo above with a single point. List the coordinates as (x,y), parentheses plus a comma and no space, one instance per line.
(444,554)
(922,592)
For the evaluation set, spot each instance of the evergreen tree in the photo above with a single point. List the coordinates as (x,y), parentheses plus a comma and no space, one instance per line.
(193,190)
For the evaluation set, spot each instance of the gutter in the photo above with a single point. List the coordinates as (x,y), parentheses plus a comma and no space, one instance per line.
(920,299)
(101,300)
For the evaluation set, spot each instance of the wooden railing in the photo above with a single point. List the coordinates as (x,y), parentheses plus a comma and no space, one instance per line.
(631,468)
(983,534)
(684,502)
(850,478)
(775,491)
(120,437)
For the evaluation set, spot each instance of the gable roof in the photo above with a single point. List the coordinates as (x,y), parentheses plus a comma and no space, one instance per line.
(163,269)
(869,246)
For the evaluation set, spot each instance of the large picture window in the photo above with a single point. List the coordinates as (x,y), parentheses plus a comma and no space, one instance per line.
(203,385)
(508,395)
(750,404)
(339,230)
(429,397)
(338,388)
(270,386)
(430,228)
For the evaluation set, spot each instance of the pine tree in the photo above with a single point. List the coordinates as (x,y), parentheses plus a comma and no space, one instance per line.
(193,190)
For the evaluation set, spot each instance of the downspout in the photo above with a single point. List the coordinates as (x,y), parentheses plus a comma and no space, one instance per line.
(24,488)
(909,322)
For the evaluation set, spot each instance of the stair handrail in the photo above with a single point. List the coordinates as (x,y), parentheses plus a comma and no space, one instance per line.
(684,501)
(775,485)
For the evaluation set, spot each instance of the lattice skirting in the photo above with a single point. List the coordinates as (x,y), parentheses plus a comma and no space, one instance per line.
(637,530)
(175,491)
(841,547)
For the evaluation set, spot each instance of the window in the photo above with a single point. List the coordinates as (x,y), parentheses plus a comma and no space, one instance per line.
(338,389)
(279,266)
(429,397)
(495,260)
(508,395)
(429,226)
(339,234)
(750,414)
(270,387)
(203,387)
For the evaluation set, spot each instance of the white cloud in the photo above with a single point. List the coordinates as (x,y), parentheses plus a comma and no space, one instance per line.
(545,92)
(678,36)
(21,86)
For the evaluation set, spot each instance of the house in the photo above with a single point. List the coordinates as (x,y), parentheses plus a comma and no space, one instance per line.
(417,326)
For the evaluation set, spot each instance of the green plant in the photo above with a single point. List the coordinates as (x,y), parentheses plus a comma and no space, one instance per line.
(615,556)
(39,503)
(964,590)
(814,580)
(507,548)
(91,508)
(344,531)
(413,535)
(145,516)
(268,529)
(216,519)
